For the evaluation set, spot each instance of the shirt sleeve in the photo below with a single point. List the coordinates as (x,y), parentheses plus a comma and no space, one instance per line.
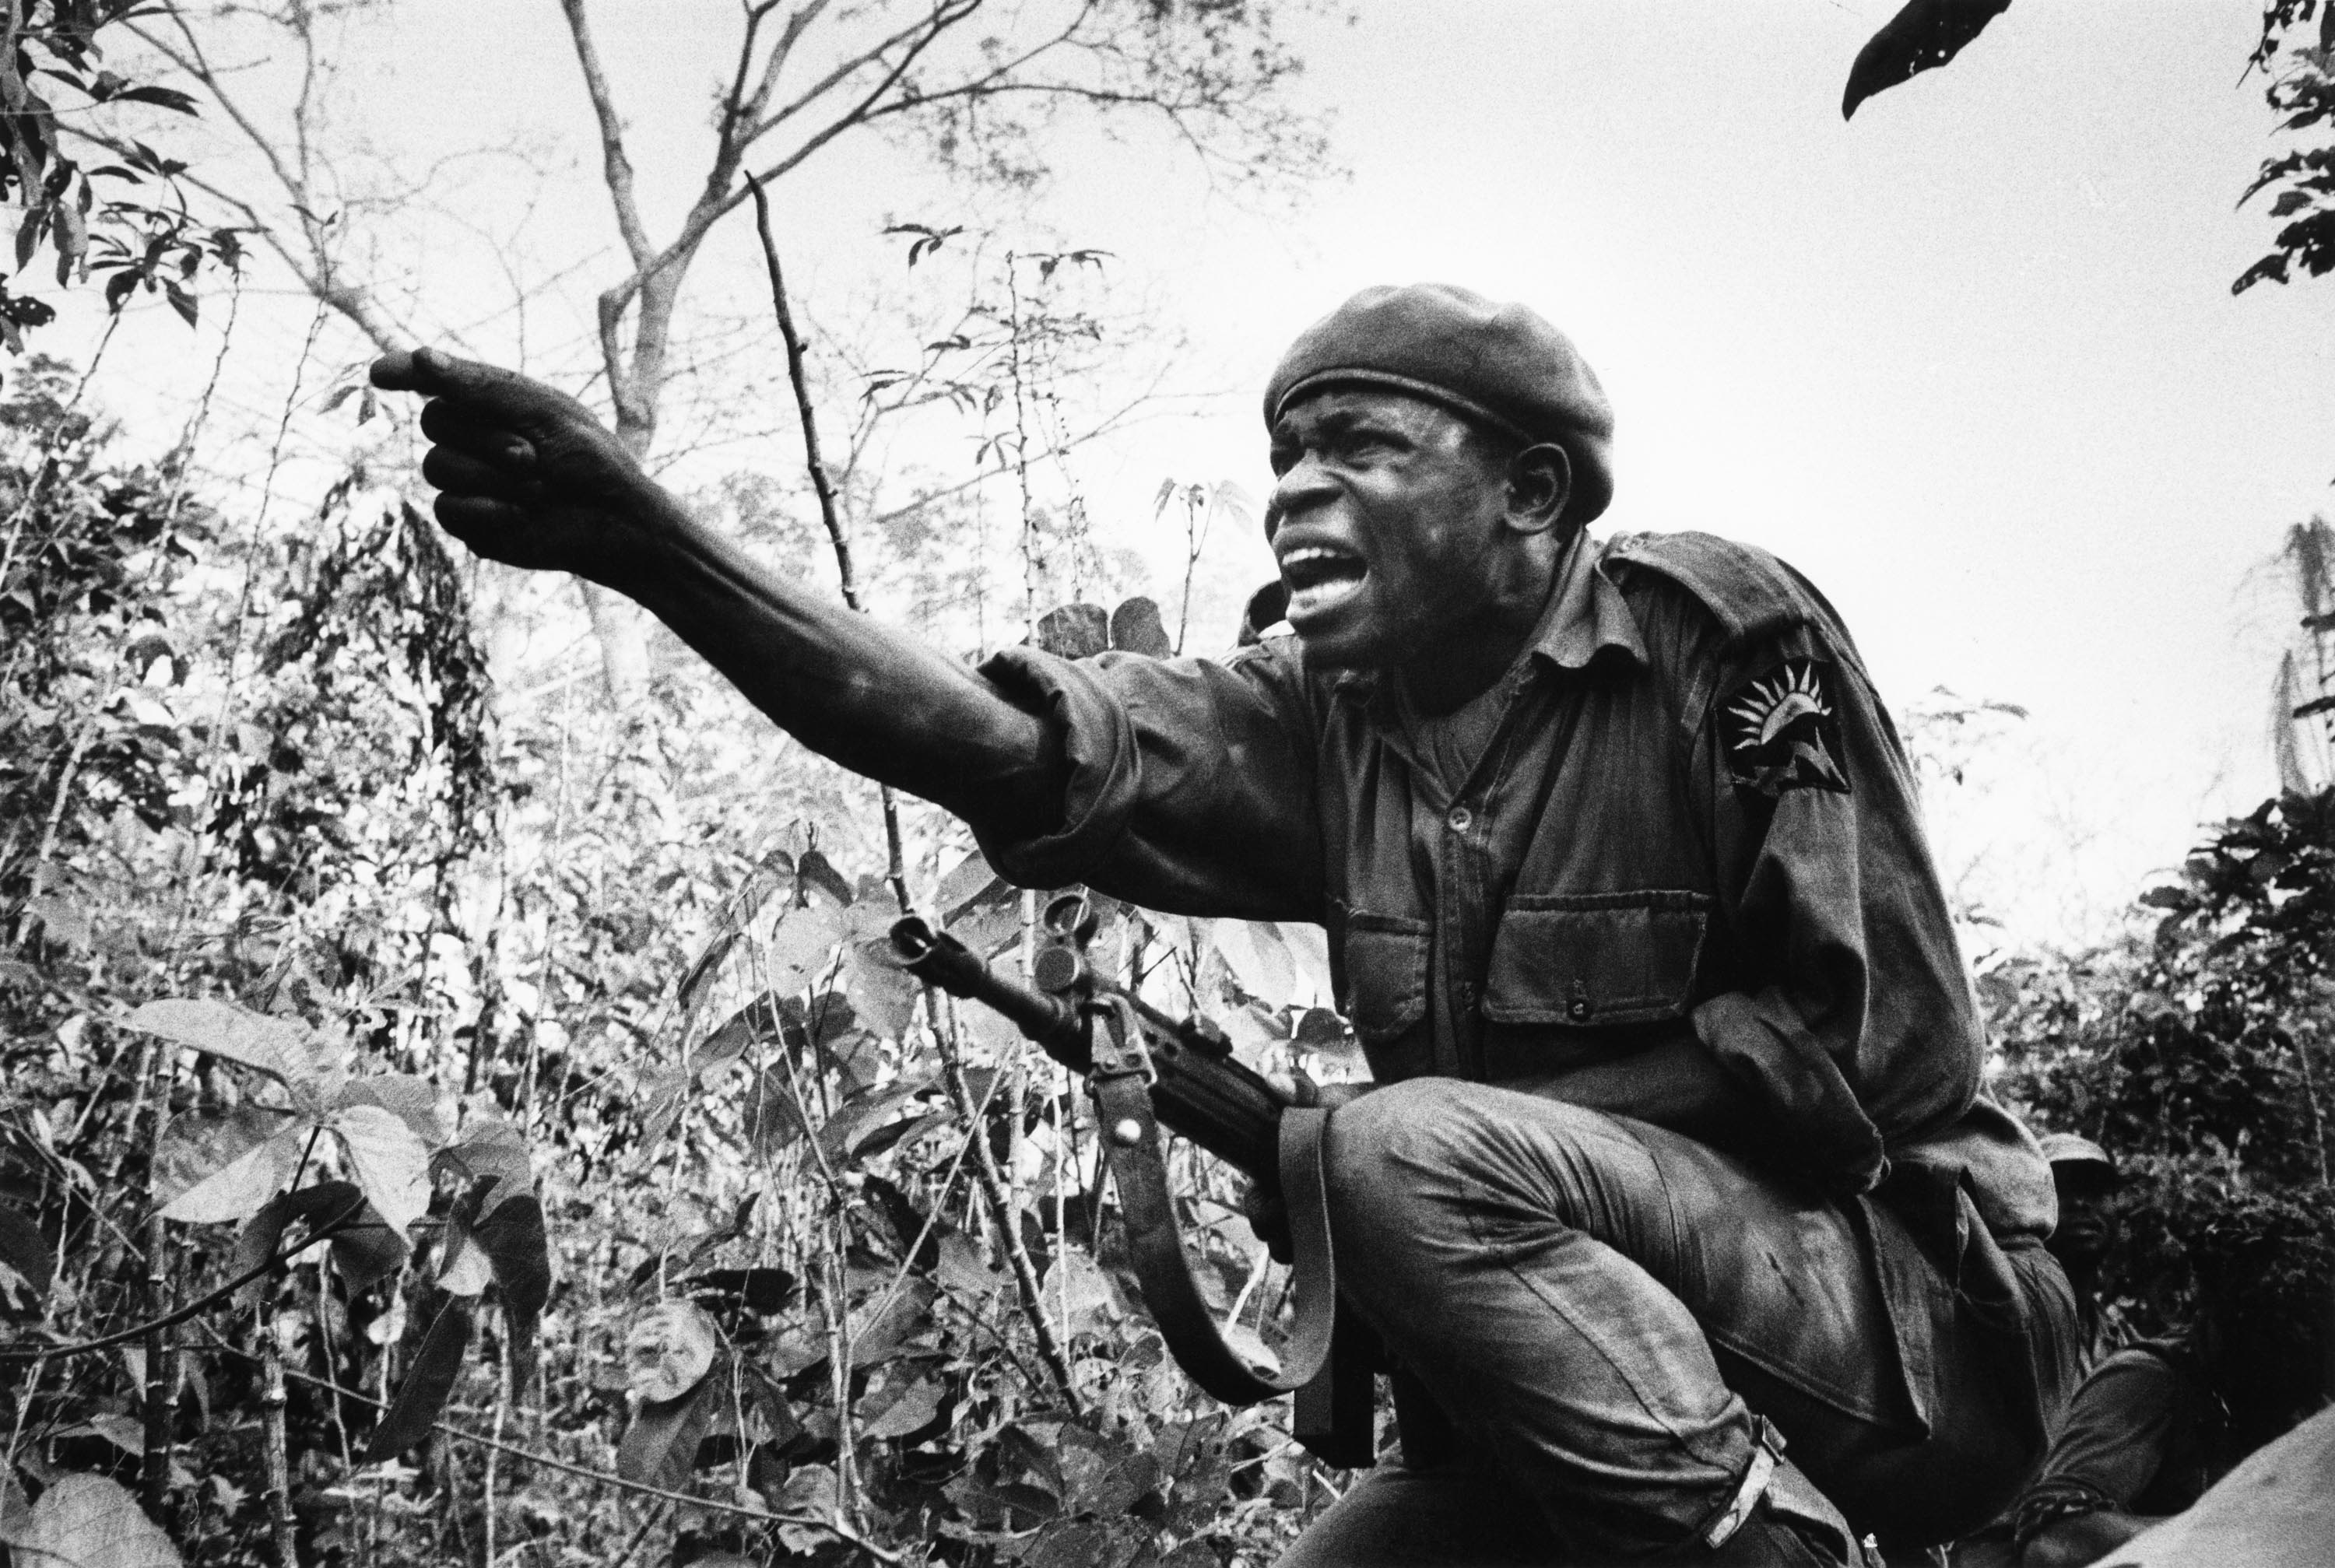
(1850,1015)
(2109,1446)
(1191,782)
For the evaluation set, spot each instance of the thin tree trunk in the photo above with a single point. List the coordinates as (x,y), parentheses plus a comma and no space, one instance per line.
(278,1455)
(160,1397)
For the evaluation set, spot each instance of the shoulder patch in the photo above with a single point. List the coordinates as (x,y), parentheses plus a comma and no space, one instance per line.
(1779,730)
(1750,593)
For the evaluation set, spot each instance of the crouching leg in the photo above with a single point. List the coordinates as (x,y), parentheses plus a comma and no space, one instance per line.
(1624,1327)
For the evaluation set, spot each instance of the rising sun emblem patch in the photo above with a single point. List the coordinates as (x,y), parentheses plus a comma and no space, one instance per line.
(1780,732)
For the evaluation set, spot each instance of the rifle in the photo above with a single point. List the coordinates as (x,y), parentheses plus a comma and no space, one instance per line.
(1148,1070)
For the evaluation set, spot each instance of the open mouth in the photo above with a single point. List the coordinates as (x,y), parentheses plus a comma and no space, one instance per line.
(1320,577)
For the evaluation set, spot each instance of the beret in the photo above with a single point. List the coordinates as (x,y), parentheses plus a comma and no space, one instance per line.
(1498,363)
(2066,1149)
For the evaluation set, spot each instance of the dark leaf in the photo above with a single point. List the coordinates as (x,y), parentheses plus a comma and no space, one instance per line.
(1922,36)
(369,1251)
(759,1289)
(816,871)
(659,1446)
(428,1382)
(166,97)
(494,1152)
(1074,631)
(854,1126)
(23,1249)
(263,1233)
(1136,628)
(519,1252)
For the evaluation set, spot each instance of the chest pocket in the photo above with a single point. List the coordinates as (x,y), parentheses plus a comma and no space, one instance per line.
(1590,960)
(1386,976)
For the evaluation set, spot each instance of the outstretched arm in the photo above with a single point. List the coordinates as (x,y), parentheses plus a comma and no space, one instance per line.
(526,475)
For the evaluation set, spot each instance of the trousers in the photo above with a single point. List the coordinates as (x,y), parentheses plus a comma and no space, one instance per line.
(1601,1308)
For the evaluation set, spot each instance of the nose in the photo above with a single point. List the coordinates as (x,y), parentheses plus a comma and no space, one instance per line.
(1302,487)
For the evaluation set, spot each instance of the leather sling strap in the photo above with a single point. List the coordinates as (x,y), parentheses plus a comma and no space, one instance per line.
(1121,1079)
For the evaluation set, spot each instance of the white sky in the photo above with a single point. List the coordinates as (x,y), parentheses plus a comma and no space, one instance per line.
(1970,362)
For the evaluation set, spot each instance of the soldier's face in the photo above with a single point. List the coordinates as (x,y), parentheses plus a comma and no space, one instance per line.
(1386,520)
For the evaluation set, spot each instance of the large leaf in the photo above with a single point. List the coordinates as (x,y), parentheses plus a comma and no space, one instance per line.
(274,1046)
(883,994)
(494,1151)
(199,1145)
(87,1521)
(413,1100)
(25,1251)
(389,1160)
(1922,37)
(427,1384)
(799,950)
(239,1189)
(668,1349)
(881,1327)
(759,1019)
(659,1446)
(811,1490)
(901,1405)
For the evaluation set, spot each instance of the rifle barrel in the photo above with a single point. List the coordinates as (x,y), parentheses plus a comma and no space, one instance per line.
(939,959)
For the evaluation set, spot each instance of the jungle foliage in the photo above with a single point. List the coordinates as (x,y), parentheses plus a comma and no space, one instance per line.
(438,1127)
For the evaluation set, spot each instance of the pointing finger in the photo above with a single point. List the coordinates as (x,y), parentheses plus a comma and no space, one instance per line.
(461,475)
(449,425)
(488,389)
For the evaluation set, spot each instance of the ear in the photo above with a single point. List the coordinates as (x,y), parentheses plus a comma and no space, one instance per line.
(1540,487)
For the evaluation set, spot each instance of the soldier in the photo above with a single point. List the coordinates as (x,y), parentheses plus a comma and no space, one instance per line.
(2085,1178)
(1678,1148)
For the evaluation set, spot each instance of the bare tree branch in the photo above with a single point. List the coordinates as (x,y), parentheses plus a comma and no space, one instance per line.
(616,170)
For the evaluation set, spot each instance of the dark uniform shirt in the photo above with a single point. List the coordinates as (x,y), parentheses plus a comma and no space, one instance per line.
(1686,816)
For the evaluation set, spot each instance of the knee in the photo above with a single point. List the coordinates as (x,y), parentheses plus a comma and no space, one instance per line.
(1388,1155)
(1415,1126)
(1421,1152)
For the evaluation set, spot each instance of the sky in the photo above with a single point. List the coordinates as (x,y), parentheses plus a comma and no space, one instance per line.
(1969,362)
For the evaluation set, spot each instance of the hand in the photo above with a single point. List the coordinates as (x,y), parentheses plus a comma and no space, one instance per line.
(525,474)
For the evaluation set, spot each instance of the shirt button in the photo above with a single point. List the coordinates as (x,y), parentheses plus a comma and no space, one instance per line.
(1460,819)
(1578,1010)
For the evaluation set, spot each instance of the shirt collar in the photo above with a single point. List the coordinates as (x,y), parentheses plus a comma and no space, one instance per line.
(1587,617)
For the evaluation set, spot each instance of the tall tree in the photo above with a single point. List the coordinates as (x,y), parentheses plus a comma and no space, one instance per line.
(983,90)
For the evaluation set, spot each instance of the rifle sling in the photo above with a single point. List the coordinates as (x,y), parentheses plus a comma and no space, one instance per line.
(1131,1144)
